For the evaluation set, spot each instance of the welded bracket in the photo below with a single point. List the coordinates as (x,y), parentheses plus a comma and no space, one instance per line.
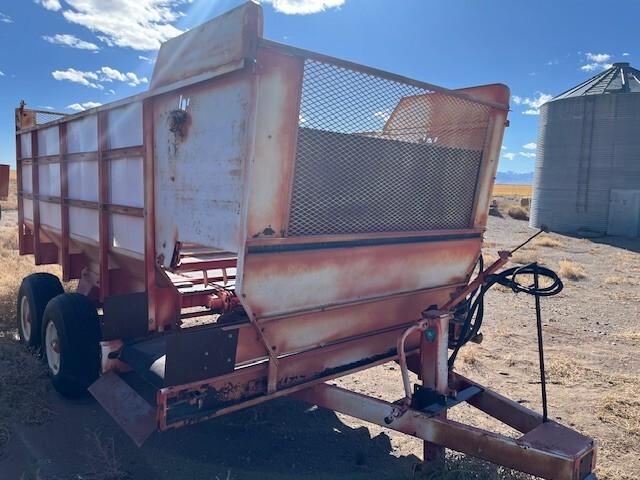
(546,449)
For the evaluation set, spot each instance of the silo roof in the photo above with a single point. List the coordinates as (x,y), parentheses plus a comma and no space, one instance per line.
(620,78)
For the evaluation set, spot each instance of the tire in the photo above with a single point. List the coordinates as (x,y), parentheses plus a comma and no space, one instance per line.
(35,292)
(70,343)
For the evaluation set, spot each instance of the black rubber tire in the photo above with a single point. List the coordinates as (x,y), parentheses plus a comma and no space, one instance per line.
(76,321)
(39,288)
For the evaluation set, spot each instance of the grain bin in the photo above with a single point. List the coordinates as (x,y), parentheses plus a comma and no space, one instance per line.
(587,176)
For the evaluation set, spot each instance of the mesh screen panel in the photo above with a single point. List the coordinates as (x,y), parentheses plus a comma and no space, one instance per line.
(378,155)
(46,117)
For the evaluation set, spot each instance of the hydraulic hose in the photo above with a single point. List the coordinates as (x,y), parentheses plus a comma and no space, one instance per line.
(474,303)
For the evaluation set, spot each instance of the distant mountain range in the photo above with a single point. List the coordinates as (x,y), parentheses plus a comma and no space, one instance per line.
(514,178)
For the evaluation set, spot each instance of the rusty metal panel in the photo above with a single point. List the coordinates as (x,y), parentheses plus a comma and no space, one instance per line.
(279,82)
(132,412)
(228,39)
(326,273)
(4,181)
(200,148)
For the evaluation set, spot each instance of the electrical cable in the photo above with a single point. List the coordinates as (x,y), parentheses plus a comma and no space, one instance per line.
(474,304)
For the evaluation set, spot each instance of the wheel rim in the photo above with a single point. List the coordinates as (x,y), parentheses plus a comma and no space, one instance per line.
(52,345)
(25,318)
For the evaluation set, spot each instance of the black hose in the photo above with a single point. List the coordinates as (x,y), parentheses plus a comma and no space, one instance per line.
(474,304)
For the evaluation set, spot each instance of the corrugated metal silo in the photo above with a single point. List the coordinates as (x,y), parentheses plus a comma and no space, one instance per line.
(587,176)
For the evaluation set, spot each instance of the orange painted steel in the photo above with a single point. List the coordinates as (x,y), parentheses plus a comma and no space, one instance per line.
(316,298)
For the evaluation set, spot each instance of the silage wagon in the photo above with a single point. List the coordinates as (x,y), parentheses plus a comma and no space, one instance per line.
(262,220)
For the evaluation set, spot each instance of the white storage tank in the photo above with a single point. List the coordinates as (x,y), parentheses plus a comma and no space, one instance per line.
(587,176)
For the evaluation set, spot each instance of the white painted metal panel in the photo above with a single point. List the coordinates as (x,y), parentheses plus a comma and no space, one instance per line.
(27,179)
(82,134)
(50,215)
(126,183)
(83,180)
(624,213)
(49,179)
(27,207)
(124,126)
(48,141)
(199,178)
(83,222)
(25,145)
(127,232)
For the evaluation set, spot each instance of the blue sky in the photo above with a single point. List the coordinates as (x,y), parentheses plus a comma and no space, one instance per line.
(72,54)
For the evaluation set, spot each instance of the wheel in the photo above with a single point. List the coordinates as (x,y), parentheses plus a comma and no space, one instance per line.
(35,292)
(70,343)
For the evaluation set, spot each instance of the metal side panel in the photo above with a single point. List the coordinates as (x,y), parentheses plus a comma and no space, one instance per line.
(132,412)
(227,39)
(200,149)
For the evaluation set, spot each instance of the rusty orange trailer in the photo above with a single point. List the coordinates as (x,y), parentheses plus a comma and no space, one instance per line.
(262,220)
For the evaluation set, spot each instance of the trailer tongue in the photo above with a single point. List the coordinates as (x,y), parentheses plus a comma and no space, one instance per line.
(262,220)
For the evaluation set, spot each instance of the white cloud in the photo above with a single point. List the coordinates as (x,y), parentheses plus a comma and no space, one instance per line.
(145,59)
(134,80)
(76,76)
(53,5)
(71,41)
(527,154)
(1,73)
(97,78)
(79,107)
(383,114)
(530,146)
(503,147)
(140,24)
(534,103)
(598,57)
(304,7)
(111,74)
(509,156)
(597,60)
(5,18)
(626,54)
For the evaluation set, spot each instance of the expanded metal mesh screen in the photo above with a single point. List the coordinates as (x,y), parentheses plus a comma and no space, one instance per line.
(43,116)
(379,155)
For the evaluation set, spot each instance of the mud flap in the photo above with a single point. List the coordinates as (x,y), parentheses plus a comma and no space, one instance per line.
(132,412)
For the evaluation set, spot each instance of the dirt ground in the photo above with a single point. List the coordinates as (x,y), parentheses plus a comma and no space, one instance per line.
(592,338)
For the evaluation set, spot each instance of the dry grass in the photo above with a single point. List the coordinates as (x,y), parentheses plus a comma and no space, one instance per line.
(571,270)
(621,408)
(23,386)
(519,213)
(101,453)
(547,241)
(469,355)
(524,256)
(513,190)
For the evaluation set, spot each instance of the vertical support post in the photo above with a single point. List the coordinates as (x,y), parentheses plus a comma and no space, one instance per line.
(543,379)
(35,190)
(434,373)
(21,246)
(149,211)
(103,199)
(65,258)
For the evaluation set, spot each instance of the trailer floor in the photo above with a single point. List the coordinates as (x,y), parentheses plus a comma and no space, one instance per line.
(592,333)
